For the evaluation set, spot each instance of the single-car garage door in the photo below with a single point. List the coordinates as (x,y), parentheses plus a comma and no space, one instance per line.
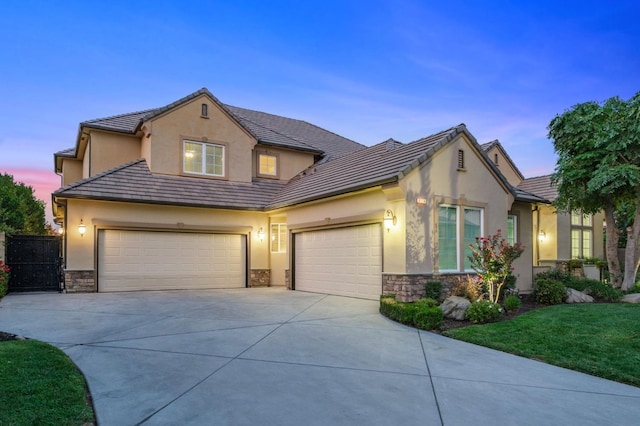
(147,260)
(341,261)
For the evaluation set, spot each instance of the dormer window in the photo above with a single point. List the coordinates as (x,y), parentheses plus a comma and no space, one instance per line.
(267,165)
(203,158)
(204,110)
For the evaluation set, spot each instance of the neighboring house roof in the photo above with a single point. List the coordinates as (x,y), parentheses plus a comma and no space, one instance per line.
(268,129)
(540,186)
(133,182)
(383,163)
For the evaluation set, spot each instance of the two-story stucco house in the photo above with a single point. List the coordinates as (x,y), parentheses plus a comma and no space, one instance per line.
(199,194)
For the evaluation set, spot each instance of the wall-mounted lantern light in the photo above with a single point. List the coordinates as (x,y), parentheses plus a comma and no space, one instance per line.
(261,234)
(389,219)
(61,230)
(542,236)
(82,228)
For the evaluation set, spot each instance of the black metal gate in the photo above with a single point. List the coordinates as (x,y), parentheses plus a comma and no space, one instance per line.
(35,262)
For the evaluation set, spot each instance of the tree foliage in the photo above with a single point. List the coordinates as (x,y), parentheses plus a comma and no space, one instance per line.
(20,211)
(598,169)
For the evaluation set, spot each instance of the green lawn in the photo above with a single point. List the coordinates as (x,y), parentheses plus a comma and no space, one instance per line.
(598,339)
(39,385)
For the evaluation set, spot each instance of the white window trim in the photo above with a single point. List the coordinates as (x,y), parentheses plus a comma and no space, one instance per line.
(277,235)
(515,228)
(457,238)
(481,210)
(203,146)
(275,169)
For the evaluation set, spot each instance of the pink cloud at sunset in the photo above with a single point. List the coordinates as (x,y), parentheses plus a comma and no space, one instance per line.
(43,182)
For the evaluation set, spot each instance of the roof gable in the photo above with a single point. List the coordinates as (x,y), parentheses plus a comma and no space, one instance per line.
(486,147)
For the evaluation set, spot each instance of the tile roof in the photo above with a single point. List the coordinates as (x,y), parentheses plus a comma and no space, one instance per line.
(383,163)
(540,186)
(267,128)
(133,182)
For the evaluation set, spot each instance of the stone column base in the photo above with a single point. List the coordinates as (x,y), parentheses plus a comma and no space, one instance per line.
(260,278)
(80,281)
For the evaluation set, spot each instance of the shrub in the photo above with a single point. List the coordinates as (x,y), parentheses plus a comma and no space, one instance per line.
(433,289)
(605,292)
(582,284)
(512,303)
(4,279)
(556,275)
(549,291)
(424,313)
(634,289)
(483,311)
(468,287)
(428,318)
(427,303)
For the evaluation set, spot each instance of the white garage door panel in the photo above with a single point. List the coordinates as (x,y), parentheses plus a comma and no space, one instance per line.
(144,260)
(344,261)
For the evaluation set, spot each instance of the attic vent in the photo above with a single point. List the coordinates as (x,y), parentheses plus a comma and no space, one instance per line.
(460,159)
(495,159)
(204,110)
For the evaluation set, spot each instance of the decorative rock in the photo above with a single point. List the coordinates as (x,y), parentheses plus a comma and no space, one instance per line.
(631,298)
(575,296)
(455,307)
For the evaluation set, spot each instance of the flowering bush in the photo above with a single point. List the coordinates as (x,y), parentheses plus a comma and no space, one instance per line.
(491,257)
(483,311)
(4,278)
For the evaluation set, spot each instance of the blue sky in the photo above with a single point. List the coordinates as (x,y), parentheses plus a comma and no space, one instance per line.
(367,70)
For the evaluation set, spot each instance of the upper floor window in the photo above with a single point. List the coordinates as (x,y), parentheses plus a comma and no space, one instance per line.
(203,158)
(267,165)
(581,235)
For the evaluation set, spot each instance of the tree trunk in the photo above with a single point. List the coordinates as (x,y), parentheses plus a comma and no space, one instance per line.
(632,250)
(613,236)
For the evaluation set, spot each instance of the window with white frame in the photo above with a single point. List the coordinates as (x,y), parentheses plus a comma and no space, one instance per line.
(581,235)
(278,238)
(449,240)
(203,158)
(267,165)
(512,229)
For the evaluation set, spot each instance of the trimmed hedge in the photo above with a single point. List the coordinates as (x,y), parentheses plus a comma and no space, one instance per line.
(424,313)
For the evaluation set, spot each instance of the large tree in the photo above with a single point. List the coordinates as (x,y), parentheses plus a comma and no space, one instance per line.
(598,169)
(20,211)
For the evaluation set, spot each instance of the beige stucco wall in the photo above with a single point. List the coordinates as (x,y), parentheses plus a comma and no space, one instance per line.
(290,163)
(279,261)
(523,266)
(168,131)
(71,171)
(109,150)
(440,182)
(81,252)
(504,165)
(553,244)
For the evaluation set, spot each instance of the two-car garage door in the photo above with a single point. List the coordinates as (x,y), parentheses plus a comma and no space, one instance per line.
(146,260)
(342,261)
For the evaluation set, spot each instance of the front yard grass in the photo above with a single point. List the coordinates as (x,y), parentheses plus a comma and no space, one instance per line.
(598,339)
(39,385)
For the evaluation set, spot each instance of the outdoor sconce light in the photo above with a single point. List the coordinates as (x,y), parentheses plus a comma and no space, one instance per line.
(261,234)
(82,228)
(389,219)
(542,236)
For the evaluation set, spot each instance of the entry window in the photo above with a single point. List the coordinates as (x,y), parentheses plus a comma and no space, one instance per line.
(581,235)
(458,226)
(267,165)
(512,229)
(203,158)
(278,238)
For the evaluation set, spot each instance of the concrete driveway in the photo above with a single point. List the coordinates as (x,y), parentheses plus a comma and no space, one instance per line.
(277,357)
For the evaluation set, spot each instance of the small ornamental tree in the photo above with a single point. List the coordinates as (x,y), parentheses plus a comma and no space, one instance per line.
(491,257)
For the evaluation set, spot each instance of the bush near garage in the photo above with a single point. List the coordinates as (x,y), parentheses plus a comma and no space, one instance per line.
(4,279)
(424,313)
